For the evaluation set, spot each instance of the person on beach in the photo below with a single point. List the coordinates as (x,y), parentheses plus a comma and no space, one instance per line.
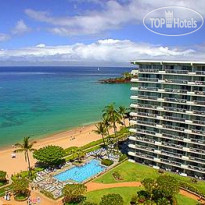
(38,200)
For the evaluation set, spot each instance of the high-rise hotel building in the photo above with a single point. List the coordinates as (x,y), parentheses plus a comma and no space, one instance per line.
(168,116)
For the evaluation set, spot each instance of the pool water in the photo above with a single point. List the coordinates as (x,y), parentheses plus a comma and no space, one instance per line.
(82,173)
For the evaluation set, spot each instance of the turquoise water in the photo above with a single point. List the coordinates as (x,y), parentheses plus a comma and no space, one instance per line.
(82,173)
(37,101)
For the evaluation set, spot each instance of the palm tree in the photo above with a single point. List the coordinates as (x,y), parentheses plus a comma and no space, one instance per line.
(122,111)
(26,147)
(80,154)
(101,130)
(113,116)
(106,124)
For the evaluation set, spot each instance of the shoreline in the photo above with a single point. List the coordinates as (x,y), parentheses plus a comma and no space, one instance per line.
(78,136)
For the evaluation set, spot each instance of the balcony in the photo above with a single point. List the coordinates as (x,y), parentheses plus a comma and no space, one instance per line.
(176,71)
(146,123)
(199,122)
(174,118)
(148,106)
(174,109)
(149,70)
(200,132)
(175,100)
(174,127)
(196,159)
(175,90)
(170,162)
(175,81)
(147,97)
(147,114)
(199,102)
(149,79)
(200,72)
(148,88)
(197,150)
(199,92)
(197,112)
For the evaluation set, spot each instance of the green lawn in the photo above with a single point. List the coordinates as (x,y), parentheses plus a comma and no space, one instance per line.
(182,200)
(127,193)
(137,172)
(129,172)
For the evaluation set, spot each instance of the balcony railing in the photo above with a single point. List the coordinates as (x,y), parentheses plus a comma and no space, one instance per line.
(198,112)
(173,127)
(197,150)
(146,131)
(196,168)
(174,118)
(199,82)
(199,122)
(171,136)
(175,109)
(198,131)
(149,79)
(146,114)
(176,71)
(149,70)
(176,81)
(146,122)
(199,92)
(171,154)
(148,88)
(145,148)
(147,106)
(199,102)
(200,72)
(145,139)
(175,100)
(147,97)
(196,159)
(171,162)
(175,90)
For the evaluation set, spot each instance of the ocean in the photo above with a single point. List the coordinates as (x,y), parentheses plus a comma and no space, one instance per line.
(38,101)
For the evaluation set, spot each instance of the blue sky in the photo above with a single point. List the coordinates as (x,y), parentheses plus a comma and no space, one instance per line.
(78,32)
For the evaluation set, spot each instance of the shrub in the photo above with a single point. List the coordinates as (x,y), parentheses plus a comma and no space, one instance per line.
(106,162)
(122,157)
(112,199)
(161,171)
(88,203)
(2,176)
(20,188)
(194,180)
(50,155)
(134,200)
(70,150)
(117,175)
(74,192)
(165,181)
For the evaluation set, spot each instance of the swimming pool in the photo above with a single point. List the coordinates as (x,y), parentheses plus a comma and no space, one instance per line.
(82,173)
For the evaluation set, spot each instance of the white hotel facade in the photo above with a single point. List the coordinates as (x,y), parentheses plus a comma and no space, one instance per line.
(168,116)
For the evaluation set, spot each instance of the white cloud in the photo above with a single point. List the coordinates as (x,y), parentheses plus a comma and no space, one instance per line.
(113,15)
(4,37)
(108,51)
(21,28)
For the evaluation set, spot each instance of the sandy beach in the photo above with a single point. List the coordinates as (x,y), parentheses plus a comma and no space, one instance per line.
(75,137)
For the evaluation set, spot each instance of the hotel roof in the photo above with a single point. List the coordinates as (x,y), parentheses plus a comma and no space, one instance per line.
(138,62)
